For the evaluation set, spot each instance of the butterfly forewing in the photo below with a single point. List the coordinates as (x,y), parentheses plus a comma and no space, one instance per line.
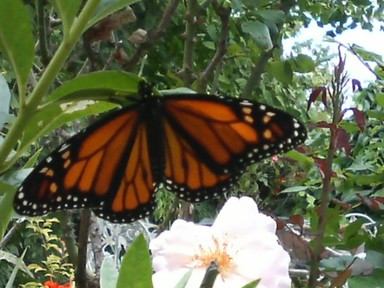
(186,173)
(209,141)
(87,170)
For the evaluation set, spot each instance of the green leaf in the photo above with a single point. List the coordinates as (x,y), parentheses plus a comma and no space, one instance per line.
(180,90)
(108,273)
(374,280)
(375,114)
(19,265)
(380,99)
(234,49)
(12,259)
(281,70)
(302,64)
(370,179)
(305,162)
(96,86)
(32,160)
(107,7)
(353,228)
(136,268)
(5,187)
(55,115)
(16,40)
(252,284)
(273,16)
(184,280)
(67,10)
(294,189)
(5,99)
(366,54)
(259,32)
(6,210)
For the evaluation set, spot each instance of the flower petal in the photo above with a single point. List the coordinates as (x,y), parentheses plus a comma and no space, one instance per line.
(239,216)
(177,247)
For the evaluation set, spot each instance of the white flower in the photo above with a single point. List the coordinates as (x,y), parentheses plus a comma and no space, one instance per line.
(242,242)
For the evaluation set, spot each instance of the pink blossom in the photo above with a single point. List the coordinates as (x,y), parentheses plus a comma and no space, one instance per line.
(241,241)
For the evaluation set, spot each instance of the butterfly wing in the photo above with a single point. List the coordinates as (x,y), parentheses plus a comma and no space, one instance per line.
(101,167)
(134,197)
(209,141)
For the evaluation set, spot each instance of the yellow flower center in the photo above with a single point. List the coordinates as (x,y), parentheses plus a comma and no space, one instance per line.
(219,254)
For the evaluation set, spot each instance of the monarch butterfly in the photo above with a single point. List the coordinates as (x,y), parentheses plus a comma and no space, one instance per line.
(195,145)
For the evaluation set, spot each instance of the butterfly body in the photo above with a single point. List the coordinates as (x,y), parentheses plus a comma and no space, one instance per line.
(195,145)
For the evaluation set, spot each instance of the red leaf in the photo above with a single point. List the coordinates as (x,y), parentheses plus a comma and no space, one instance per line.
(371,203)
(342,141)
(324,97)
(323,124)
(339,69)
(380,199)
(280,224)
(315,94)
(322,164)
(297,220)
(360,118)
(356,84)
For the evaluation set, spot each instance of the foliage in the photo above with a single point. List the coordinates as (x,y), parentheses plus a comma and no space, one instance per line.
(59,61)
(50,261)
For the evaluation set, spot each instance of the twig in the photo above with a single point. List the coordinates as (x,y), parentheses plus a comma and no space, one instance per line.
(153,36)
(222,45)
(350,49)
(42,32)
(9,235)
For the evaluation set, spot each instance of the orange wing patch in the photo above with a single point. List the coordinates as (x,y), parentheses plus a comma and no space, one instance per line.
(217,128)
(137,187)
(99,156)
(183,169)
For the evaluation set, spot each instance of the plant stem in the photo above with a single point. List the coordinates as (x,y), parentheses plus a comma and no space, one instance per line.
(337,98)
(189,45)
(27,109)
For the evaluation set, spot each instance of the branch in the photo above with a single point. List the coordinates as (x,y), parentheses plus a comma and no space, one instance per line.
(222,45)
(81,271)
(256,73)
(350,48)
(68,236)
(153,36)
(189,43)
(259,68)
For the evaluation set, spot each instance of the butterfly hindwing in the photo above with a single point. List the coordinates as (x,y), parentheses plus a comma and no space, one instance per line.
(134,196)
